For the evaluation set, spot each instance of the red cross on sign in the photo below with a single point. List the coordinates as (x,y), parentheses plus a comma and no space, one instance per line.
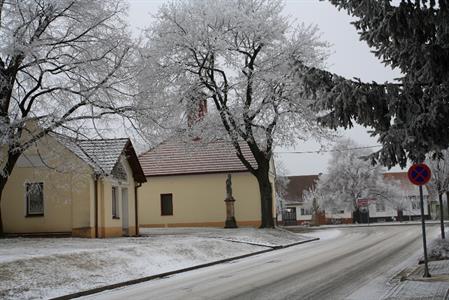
(419,174)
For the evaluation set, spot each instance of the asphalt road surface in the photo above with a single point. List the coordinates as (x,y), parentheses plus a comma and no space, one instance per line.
(351,263)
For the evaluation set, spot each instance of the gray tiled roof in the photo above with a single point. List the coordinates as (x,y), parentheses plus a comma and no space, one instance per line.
(102,154)
(175,157)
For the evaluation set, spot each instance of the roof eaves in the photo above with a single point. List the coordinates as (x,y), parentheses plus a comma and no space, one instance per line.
(134,162)
(199,173)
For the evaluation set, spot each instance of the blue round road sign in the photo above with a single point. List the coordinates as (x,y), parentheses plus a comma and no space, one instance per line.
(419,174)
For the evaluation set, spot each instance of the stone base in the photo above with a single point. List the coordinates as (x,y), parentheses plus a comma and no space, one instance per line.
(231,223)
(85,232)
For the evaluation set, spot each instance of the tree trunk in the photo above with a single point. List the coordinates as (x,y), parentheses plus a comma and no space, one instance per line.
(440,196)
(356,216)
(3,181)
(447,203)
(9,166)
(1,221)
(266,195)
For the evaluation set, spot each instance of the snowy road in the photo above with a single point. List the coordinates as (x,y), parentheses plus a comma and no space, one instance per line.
(351,263)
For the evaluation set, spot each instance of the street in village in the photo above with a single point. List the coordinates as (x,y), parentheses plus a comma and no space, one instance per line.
(347,263)
(224,149)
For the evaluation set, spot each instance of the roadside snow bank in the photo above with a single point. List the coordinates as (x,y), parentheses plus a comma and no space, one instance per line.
(36,268)
(260,237)
(44,268)
(323,234)
(439,249)
(265,237)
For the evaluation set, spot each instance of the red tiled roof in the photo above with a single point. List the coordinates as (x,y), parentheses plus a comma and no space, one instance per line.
(404,182)
(177,157)
(297,185)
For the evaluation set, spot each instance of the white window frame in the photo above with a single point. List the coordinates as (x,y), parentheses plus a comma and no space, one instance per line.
(115,202)
(29,213)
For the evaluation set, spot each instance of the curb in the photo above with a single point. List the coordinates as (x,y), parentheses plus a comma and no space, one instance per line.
(294,244)
(272,246)
(166,274)
(313,228)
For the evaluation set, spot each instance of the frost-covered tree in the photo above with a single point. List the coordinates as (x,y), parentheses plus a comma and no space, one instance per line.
(282,181)
(350,176)
(390,192)
(439,183)
(238,56)
(410,117)
(62,63)
(313,199)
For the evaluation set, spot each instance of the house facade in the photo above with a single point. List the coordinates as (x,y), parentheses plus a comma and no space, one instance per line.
(406,208)
(85,188)
(372,210)
(294,211)
(186,185)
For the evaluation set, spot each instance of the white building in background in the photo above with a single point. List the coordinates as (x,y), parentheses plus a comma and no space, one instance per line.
(403,209)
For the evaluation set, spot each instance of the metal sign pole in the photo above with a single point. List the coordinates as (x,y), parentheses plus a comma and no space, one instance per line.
(423,223)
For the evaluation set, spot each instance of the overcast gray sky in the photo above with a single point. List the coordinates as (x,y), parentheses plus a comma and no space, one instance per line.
(349,57)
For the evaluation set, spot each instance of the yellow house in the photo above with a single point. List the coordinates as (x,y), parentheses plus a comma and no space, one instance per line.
(186,185)
(85,188)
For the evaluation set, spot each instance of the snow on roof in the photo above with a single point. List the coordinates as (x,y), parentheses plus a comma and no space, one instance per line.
(103,154)
(404,182)
(176,157)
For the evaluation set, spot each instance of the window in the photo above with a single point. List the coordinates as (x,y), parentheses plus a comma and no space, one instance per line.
(337,210)
(115,207)
(380,205)
(166,204)
(305,212)
(35,199)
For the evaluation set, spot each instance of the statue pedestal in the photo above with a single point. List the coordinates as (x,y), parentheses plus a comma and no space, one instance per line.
(230,217)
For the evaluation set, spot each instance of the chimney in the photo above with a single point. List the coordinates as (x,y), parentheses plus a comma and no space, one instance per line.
(196,112)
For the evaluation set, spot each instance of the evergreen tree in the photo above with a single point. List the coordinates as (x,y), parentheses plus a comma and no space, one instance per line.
(409,116)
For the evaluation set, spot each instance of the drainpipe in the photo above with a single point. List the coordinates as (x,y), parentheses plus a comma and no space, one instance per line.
(136,217)
(96,204)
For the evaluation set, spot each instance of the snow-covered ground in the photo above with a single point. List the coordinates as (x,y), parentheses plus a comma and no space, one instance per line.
(325,234)
(332,268)
(34,268)
(439,249)
(261,237)
(409,282)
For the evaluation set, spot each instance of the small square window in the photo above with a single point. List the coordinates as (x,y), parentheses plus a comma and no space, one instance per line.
(306,212)
(166,204)
(380,206)
(35,198)
(115,206)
